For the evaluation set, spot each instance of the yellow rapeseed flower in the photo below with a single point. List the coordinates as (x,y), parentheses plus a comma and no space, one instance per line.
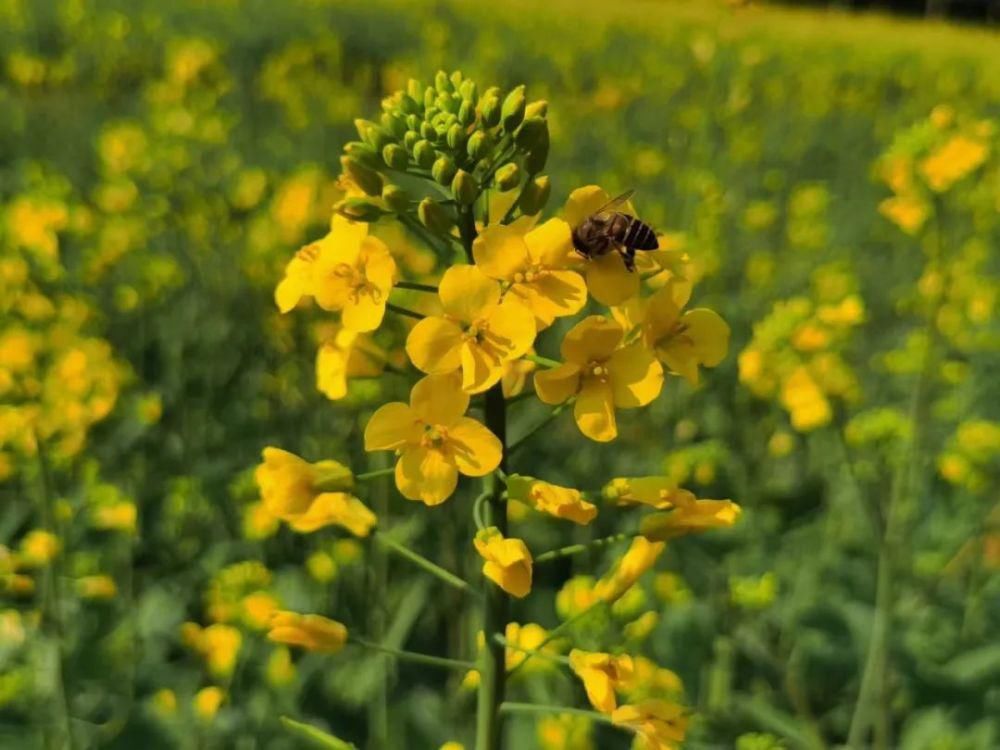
(335,508)
(657,492)
(117,516)
(435,440)
(311,632)
(658,724)
(533,264)
(689,515)
(565,732)
(96,587)
(207,702)
(289,484)
(575,596)
(515,376)
(355,276)
(561,502)
(478,333)
(805,401)
(218,644)
(952,161)
(601,375)
(602,674)
(38,548)
(908,212)
(347,354)
(164,702)
(507,563)
(258,609)
(640,557)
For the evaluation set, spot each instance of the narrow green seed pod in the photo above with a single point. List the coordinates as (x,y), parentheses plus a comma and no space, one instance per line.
(364,177)
(507,177)
(435,217)
(535,195)
(396,198)
(395,156)
(455,136)
(443,170)
(479,145)
(529,133)
(424,154)
(464,187)
(534,162)
(513,109)
(466,113)
(539,108)
(359,209)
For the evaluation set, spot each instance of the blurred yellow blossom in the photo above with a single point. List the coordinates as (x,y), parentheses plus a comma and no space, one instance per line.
(97,587)
(289,485)
(602,674)
(690,515)
(658,724)
(551,499)
(38,548)
(118,516)
(952,161)
(640,557)
(311,632)
(207,702)
(507,561)
(218,644)
(164,702)
(565,732)
(280,670)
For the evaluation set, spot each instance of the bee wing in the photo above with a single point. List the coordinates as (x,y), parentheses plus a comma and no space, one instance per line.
(615,203)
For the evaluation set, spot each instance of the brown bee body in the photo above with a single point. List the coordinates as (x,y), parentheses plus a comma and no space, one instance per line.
(608,230)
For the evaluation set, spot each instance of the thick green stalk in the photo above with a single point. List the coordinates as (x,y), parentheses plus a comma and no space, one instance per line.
(492,662)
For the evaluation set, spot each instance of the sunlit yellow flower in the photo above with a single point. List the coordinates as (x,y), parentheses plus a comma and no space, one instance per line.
(335,508)
(478,332)
(683,341)
(289,485)
(533,264)
(908,212)
(565,732)
(118,516)
(259,522)
(649,680)
(576,596)
(689,515)
(355,276)
(507,561)
(258,608)
(658,724)
(640,557)
(311,632)
(435,441)
(515,376)
(207,702)
(39,548)
(657,492)
(347,354)
(561,502)
(96,587)
(952,161)
(601,376)
(608,280)
(602,674)
(218,644)
(641,627)
(524,638)
(805,401)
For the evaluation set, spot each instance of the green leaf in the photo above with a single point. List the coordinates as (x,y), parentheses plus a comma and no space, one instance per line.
(314,737)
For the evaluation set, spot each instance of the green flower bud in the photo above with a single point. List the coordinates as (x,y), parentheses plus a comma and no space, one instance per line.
(428,131)
(534,162)
(363,153)
(456,78)
(489,110)
(363,127)
(455,136)
(529,133)
(430,94)
(464,187)
(379,137)
(394,125)
(415,89)
(535,195)
(395,156)
(396,198)
(410,139)
(359,209)
(409,105)
(424,154)
(413,122)
(507,177)
(364,177)
(446,103)
(479,145)
(435,217)
(441,82)
(513,109)
(538,108)
(443,170)
(467,113)
(468,90)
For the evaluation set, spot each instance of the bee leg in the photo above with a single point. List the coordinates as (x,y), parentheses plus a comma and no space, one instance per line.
(628,255)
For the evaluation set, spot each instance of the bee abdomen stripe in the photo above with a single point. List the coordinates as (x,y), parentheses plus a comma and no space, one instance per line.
(639,235)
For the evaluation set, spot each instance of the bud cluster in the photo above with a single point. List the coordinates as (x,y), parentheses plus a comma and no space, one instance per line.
(450,134)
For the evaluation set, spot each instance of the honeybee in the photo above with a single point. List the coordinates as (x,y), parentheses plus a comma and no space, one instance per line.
(606,230)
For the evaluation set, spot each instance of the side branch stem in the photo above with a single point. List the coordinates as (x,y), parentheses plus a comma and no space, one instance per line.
(422,562)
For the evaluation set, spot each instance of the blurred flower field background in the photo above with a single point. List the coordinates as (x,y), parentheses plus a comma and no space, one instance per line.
(835,183)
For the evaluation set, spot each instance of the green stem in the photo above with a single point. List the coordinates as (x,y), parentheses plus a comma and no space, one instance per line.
(543,361)
(540,426)
(422,562)
(496,613)
(576,549)
(404,311)
(559,629)
(413,656)
(417,287)
(539,708)
(421,231)
(378,707)
(532,652)
(374,474)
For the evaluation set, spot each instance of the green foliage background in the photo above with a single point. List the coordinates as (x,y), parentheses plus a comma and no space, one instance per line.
(714,115)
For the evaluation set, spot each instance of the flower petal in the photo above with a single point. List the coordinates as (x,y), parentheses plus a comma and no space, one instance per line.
(595,412)
(510,330)
(331,371)
(709,334)
(380,268)
(426,474)
(636,376)
(481,367)
(593,339)
(609,282)
(437,400)
(289,291)
(475,449)
(583,202)
(434,345)
(500,251)
(558,384)
(363,312)
(553,294)
(467,293)
(392,426)
(551,244)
